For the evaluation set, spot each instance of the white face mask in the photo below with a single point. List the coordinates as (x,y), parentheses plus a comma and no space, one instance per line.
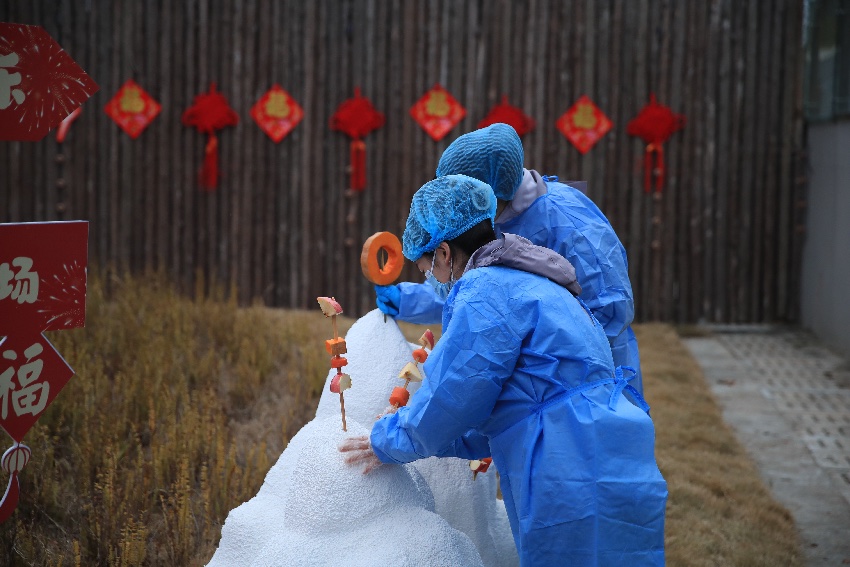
(441,288)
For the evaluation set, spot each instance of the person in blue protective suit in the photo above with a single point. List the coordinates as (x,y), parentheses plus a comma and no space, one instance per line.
(523,373)
(548,213)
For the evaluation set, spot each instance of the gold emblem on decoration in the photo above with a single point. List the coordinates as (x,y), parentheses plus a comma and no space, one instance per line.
(584,117)
(131,101)
(278,105)
(437,104)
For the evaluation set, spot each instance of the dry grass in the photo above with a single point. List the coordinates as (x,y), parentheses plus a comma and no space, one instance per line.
(179,408)
(719,511)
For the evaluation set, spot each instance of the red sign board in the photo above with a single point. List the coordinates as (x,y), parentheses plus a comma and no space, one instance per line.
(437,112)
(277,113)
(583,124)
(43,276)
(42,287)
(39,83)
(132,108)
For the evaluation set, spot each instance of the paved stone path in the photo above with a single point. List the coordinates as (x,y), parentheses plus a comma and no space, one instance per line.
(788,399)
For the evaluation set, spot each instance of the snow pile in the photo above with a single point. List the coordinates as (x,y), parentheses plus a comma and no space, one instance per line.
(314,510)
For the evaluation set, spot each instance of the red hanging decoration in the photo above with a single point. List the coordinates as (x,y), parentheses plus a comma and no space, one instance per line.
(13,461)
(358,165)
(132,108)
(277,113)
(356,117)
(510,115)
(437,112)
(210,112)
(654,124)
(583,124)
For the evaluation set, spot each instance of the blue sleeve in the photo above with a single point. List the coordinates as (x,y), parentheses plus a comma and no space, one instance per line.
(419,304)
(465,373)
(472,445)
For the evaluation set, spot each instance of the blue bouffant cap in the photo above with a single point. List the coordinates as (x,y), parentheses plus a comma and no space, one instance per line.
(493,154)
(444,209)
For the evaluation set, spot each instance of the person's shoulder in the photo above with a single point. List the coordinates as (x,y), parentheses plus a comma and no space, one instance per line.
(575,204)
(487,282)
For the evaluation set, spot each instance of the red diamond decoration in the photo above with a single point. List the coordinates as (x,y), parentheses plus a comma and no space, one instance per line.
(583,124)
(510,115)
(277,113)
(437,112)
(132,108)
(31,375)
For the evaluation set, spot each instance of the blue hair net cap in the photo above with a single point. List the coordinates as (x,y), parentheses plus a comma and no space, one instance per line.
(444,209)
(493,154)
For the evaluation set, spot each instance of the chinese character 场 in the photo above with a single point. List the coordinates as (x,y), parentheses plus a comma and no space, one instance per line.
(8,80)
(31,396)
(25,289)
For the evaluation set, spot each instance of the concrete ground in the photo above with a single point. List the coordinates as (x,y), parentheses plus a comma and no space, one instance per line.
(788,399)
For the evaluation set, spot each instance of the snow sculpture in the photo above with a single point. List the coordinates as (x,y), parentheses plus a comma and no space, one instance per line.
(377,351)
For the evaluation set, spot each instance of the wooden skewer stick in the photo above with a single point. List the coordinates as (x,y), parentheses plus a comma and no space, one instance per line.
(342,410)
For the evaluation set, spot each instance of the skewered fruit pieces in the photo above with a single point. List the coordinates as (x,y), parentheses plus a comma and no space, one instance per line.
(427,339)
(410,372)
(335,347)
(399,397)
(340,383)
(338,362)
(478,466)
(329,306)
(420,355)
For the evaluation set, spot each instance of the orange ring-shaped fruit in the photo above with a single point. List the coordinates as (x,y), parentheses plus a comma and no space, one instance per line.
(390,243)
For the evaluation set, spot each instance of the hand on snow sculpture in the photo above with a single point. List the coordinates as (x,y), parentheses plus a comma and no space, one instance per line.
(389,410)
(360,452)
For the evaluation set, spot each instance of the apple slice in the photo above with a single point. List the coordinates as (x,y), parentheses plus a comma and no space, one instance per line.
(427,339)
(410,372)
(329,306)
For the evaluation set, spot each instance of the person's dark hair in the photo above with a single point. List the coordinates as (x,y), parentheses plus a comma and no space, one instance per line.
(474,238)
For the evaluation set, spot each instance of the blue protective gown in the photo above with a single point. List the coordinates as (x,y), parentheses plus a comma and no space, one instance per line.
(524,373)
(563,219)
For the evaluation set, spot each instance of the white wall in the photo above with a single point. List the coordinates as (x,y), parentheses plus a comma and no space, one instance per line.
(826,252)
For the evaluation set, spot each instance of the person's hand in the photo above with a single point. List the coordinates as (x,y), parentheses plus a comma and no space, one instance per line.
(359,453)
(387,411)
(388,299)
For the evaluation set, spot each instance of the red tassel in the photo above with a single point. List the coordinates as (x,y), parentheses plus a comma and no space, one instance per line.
(209,171)
(62,132)
(358,165)
(649,171)
(10,499)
